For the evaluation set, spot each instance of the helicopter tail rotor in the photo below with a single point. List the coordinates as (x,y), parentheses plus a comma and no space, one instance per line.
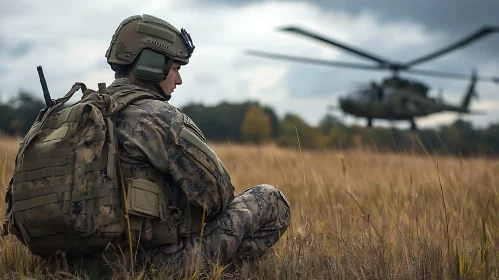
(472,88)
(470,93)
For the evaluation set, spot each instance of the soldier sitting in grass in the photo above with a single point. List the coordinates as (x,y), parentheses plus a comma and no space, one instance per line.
(180,200)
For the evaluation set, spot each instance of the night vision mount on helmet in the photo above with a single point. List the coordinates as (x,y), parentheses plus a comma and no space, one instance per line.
(148,46)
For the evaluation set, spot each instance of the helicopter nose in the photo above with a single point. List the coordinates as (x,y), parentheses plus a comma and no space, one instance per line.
(346,104)
(343,102)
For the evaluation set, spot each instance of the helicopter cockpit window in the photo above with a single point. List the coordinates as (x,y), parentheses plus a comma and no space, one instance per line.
(387,93)
(364,94)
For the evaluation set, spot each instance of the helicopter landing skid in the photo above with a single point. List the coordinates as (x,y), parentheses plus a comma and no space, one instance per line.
(413,125)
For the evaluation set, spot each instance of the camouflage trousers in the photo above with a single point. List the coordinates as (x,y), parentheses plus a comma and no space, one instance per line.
(252,223)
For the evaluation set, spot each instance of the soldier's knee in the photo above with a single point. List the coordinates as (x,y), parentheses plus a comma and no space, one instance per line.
(272,192)
(265,188)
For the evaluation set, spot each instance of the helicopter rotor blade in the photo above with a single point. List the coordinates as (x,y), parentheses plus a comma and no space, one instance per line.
(315,61)
(449,75)
(480,33)
(336,43)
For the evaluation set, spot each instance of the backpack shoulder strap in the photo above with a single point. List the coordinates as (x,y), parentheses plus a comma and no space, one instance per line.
(68,95)
(128,96)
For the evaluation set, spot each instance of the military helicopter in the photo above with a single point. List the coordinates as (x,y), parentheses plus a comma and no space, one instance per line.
(395,98)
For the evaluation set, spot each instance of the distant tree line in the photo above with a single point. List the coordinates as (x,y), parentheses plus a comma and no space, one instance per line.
(18,113)
(250,122)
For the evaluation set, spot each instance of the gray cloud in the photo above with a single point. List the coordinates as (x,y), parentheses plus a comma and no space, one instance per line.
(12,8)
(455,15)
(15,49)
(20,49)
(453,18)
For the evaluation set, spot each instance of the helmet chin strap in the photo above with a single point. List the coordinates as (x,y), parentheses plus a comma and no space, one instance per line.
(162,92)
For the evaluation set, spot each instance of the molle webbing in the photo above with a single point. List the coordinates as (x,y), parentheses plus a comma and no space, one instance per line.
(41,173)
(39,165)
(52,158)
(50,194)
(56,153)
(23,195)
(40,200)
(109,193)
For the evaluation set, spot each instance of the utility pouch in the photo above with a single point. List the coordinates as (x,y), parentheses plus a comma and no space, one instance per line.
(151,218)
(144,198)
(164,232)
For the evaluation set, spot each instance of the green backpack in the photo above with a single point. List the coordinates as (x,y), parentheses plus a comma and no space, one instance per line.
(65,194)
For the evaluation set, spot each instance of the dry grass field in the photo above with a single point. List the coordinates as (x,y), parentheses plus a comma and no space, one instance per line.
(355,215)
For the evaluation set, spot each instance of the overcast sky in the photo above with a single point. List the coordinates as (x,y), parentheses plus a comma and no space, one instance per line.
(70,40)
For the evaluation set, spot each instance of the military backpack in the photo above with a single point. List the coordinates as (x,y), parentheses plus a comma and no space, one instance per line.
(66,194)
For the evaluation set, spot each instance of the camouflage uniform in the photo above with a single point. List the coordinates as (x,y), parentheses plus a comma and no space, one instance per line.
(235,227)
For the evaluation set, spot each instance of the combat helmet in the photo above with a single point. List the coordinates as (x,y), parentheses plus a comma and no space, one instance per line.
(148,45)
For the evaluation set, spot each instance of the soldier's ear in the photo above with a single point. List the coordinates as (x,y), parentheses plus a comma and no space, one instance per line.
(151,67)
